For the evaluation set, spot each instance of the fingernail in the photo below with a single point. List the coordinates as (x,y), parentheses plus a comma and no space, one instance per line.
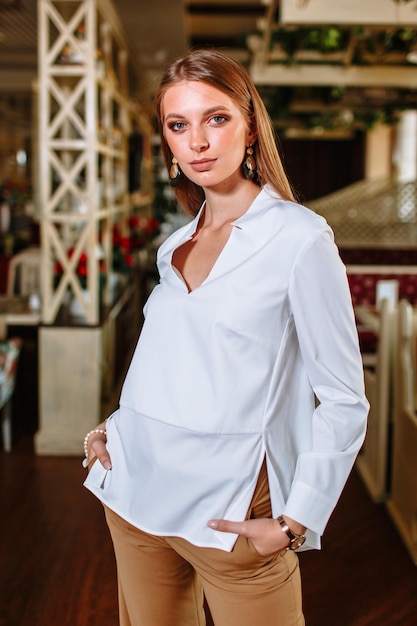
(107,465)
(213,524)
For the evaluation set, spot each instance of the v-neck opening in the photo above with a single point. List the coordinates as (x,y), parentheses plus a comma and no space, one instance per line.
(180,275)
(236,224)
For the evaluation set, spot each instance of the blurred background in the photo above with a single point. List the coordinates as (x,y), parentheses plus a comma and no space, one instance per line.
(84,204)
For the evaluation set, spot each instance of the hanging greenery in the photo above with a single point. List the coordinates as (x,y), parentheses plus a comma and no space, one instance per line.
(325,40)
(335,107)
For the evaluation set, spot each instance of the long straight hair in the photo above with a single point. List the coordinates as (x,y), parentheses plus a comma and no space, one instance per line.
(224,73)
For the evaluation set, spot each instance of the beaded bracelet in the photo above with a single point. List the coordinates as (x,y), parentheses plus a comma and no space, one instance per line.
(101,431)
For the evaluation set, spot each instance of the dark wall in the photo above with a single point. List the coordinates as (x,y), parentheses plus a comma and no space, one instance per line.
(317,167)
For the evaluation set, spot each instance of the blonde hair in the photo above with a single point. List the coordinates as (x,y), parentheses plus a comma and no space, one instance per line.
(227,75)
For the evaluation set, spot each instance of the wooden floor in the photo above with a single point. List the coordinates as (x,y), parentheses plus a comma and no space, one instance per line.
(57,566)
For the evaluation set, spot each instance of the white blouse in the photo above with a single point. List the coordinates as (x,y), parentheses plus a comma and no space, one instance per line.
(260,360)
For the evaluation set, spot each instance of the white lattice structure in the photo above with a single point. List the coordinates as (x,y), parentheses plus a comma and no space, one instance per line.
(85,117)
(372,213)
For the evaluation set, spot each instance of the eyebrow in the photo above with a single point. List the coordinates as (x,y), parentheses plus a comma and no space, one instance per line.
(209,111)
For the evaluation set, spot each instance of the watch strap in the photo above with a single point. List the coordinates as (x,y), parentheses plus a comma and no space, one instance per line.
(295,540)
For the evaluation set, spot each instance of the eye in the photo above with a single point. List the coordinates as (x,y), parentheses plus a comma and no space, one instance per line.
(218,119)
(176,126)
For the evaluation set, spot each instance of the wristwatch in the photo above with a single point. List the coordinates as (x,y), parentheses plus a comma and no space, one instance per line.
(296,541)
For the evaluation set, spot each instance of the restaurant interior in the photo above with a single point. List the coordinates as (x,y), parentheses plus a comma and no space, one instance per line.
(85,202)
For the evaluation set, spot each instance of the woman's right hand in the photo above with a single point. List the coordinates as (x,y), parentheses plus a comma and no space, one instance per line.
(97,448)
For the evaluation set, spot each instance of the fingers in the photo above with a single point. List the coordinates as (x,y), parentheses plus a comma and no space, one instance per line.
(247,528)
(225,526)
(98,448)
(264,533)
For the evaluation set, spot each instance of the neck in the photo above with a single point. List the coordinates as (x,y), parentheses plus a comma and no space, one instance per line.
(227,206)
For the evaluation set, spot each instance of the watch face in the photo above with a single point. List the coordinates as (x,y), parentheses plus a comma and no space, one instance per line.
(297,543)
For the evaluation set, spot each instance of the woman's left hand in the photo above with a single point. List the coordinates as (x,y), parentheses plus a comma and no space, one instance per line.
(265,533)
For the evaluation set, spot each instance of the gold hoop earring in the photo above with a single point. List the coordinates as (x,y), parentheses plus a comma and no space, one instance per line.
(249,164)
(174,173)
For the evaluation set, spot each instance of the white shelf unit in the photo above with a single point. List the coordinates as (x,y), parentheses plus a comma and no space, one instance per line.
(86,114)
(88,109)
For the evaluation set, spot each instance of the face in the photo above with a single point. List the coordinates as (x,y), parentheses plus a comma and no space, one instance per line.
(206,132)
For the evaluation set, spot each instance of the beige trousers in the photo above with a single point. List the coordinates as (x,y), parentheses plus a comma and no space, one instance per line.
(163,580)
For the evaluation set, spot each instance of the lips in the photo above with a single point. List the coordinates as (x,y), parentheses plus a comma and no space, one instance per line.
(202,165)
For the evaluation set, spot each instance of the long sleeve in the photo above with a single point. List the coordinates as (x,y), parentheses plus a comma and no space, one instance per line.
(326,331)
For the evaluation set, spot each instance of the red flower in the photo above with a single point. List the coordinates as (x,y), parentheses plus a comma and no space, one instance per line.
(129,260)
(133,222)
(125,243)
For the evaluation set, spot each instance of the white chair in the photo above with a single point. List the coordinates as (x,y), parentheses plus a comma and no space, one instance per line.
(402,502)
(24,274)
(373,460)
(9,356)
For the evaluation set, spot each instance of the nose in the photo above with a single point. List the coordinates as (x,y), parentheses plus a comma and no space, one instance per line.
(198,141)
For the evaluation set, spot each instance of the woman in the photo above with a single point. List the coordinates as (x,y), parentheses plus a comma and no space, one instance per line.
(243,409)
